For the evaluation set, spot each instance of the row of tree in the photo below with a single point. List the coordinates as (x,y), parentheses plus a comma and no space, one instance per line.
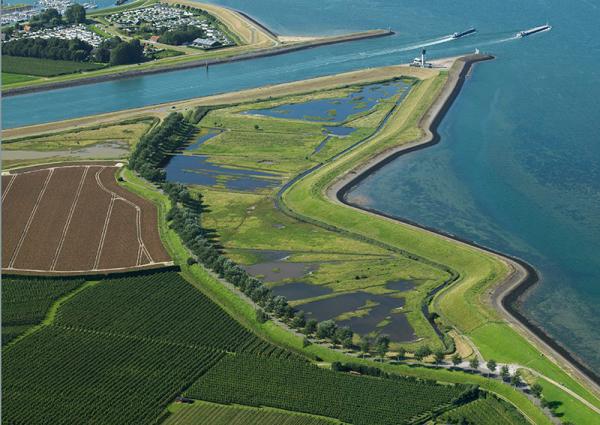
(114,50)
(51,48)
(184,217)
(152,149)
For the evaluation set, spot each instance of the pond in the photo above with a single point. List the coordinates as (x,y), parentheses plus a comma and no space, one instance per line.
(194,145)
(335,109)
(197,169)
(274,271)
(300,290)
(400,285)
(398,328)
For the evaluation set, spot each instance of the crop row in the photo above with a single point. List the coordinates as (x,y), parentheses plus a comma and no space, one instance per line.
(162,307)
(26,300)
(59,376)
(486,411)
(214,414)
(303,387)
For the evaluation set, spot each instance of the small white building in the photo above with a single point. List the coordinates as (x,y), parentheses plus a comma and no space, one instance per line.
(205,43)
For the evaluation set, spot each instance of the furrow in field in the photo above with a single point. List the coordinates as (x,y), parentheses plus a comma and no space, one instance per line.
(16,208)
(149,235)
(121,245)
(83,236)
(69,219)
(39,247)
(32,215)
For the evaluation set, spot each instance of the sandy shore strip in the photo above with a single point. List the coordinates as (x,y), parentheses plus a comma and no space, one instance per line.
(522,275)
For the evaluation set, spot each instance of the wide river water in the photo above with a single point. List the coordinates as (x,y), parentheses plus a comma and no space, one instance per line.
(518,166)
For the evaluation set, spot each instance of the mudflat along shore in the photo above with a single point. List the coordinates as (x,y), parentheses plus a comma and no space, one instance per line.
(506,294)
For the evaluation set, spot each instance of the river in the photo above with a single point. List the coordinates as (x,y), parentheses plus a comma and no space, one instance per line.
(517,169)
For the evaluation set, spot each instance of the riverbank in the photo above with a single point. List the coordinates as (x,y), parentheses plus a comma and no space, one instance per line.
(254,50)
(521,276)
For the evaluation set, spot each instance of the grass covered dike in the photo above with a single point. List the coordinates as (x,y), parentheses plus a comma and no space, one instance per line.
(463,304)
(245,312)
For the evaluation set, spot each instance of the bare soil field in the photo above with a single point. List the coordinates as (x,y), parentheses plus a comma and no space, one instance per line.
(76,219)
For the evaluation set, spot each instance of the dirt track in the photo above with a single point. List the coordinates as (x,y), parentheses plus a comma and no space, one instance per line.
(76,219)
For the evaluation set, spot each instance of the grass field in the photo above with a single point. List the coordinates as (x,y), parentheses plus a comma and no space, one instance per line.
(8,78)
(44,67)
(105,141)
(128,132)
(218,414)
(248,222)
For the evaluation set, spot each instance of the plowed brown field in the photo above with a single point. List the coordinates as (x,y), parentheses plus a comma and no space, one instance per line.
(76,219)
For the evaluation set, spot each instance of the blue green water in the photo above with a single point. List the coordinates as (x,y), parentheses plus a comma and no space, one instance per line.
(517,168)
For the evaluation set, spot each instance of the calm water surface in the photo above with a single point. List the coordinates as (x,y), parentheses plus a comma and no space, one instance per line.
(517,168)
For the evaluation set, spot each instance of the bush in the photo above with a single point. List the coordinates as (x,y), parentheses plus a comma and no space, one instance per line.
(261,316)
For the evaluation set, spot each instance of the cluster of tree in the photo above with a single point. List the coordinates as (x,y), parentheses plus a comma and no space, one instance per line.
(181,35)
(50,48)
(119,52)
(329,330)
(50,18)
(380,346)
(197,114)
(114,50)
(127,52)
(152,149)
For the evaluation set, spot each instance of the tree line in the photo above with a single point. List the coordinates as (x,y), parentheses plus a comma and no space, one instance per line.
(152,149)
(51,48)
(113,51)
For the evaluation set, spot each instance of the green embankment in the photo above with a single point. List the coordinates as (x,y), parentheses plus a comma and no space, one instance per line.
(462,305)
(245,313)
(43,67)
(219,414)
(8,78)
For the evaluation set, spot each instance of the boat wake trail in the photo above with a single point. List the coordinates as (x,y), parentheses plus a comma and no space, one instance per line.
(385,52)
(428,43)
